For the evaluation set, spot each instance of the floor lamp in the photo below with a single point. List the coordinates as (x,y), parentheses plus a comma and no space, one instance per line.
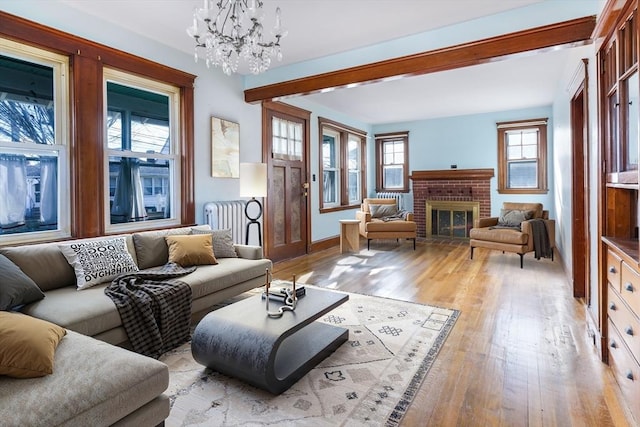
(253,183)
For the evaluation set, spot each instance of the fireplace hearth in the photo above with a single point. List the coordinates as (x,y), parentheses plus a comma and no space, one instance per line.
(451,220)
(450,185)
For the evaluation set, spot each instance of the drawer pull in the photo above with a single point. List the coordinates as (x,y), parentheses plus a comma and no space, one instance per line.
(613,344)
(613,307)
(628,330)
(628,287)
(612,269)
(629,375)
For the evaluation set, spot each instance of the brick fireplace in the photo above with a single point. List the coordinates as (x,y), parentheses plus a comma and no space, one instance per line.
(472,185)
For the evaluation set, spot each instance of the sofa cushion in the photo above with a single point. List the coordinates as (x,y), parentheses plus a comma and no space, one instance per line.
(16,288)
(98,261)
(512,237)
(43,263)
(377,225)
(151,247)
(93,383)
(89,312)
(208,279)
(27,345)
(223,246)
(194,249)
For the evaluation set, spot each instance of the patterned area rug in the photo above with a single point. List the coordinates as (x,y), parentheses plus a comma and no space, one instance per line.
(369,381)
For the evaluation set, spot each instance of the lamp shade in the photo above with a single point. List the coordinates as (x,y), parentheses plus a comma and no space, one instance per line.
(253,180)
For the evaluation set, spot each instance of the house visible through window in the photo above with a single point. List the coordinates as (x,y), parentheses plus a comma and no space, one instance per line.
(142,159)
(392,158)
(33,141)
(522,151)
(341,165)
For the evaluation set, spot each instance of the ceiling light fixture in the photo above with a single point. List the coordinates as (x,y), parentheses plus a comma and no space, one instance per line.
(235,31)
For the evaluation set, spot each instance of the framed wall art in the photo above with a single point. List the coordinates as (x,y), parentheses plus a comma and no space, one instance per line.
(225,148)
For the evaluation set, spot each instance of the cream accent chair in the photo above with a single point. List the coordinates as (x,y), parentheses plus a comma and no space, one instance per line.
(510,240)
(376,228)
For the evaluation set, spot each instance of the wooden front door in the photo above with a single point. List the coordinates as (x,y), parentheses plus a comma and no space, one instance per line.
(286,152)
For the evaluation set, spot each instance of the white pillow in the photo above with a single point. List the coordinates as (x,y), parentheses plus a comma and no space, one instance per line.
(98,261)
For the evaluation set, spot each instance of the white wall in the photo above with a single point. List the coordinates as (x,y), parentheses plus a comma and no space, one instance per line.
(563,163)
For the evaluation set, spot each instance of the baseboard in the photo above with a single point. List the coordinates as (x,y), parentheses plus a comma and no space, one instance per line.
(321,245)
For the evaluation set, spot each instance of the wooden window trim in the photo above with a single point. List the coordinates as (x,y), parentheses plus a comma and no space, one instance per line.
(503,127)
(87,60)
(380,139)
(343,132)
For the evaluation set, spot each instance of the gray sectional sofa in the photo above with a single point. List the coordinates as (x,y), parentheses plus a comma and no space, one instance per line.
(95,380)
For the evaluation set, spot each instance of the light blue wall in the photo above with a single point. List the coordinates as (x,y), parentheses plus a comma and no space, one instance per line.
(470,142)
(215,93)
(325,225)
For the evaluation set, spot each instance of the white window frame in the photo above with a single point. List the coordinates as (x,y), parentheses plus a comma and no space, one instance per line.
(60,66)
(173,92)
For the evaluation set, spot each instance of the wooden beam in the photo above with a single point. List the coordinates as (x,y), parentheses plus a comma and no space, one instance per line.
(562,34)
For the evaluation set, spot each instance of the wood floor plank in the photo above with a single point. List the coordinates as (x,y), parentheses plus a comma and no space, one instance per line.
(519,354)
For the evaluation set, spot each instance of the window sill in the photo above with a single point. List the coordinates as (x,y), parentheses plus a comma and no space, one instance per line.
(339,208)
(522,191)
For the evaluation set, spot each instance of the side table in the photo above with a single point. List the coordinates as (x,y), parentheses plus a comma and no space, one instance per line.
(349,235)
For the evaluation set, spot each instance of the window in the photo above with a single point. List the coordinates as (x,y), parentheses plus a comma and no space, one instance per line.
(522,151)
(140,128)
(392,161)
(33,144)
(43,156)
(341,165)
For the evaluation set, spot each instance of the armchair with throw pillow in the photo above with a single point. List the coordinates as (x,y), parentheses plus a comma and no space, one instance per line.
(521,228)
(381,219)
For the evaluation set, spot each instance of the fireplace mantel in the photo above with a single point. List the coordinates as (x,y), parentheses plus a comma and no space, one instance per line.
(452,174)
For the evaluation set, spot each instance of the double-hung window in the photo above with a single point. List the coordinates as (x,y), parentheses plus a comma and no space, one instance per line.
(342,151)
(522,157)
(392,161)
(34,177)
(142,153)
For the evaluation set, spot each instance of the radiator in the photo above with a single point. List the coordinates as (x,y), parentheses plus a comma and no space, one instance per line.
(388,195)
(222,215)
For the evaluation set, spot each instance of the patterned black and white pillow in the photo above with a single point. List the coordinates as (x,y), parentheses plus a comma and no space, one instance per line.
(98,261)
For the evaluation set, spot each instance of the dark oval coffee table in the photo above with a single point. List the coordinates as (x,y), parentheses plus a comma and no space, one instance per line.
(240,340)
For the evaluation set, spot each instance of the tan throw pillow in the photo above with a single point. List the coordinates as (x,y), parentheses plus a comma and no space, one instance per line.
(194,249)
(27,345)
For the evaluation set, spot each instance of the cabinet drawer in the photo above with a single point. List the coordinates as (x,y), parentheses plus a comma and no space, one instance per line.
(630,288)
(625,369)
(625,321)
(614,265)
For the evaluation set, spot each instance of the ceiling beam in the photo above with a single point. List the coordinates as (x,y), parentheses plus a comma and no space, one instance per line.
(559,35)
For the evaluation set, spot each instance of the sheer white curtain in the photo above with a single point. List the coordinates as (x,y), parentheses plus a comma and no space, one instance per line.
(49,190)
(13,190)
(128,200)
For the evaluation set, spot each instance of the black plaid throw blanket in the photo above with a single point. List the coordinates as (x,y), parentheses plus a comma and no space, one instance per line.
(154,307)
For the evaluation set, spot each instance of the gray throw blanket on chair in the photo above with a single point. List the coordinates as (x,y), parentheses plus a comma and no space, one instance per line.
(400,215)
(540,237)
(154,307)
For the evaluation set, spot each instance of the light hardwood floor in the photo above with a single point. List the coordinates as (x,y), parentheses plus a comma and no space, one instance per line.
(519,354)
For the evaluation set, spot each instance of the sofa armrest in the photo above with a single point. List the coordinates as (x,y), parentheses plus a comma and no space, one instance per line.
(249,251)
(364,218)
(485,222)
(409,216)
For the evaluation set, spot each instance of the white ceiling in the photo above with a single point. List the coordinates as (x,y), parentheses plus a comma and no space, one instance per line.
(319,28)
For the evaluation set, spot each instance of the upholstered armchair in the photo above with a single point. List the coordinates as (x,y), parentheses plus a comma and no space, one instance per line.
(514,231)
(381,219)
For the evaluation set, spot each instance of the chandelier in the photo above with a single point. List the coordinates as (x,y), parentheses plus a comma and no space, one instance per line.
(232,32)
